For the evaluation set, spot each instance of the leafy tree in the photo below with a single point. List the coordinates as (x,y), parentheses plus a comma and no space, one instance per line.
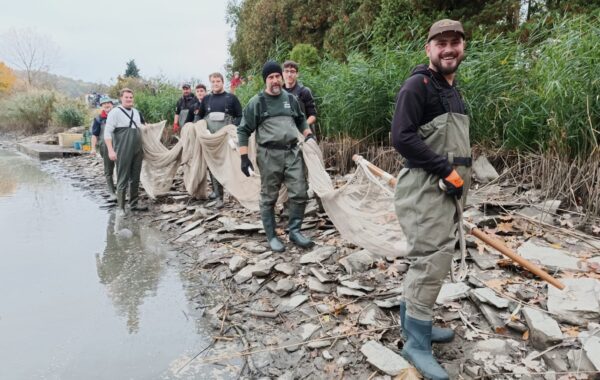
(132,70)
(7,78)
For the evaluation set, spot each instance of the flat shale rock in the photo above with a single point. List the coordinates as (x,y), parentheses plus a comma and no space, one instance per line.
(317,286)
(554,259)
(383,358)
(236,263)
(578,303)
(286,268)
(318,255)
(359,261)
(288,304)
(452,292)
(544,331)
(344,291)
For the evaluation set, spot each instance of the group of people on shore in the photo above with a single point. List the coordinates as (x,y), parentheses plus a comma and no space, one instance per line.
(430,129)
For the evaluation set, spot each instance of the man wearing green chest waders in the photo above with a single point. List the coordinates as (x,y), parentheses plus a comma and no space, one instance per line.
(219,108)
(98,144)
(430,128)
(124,144)
(276,117)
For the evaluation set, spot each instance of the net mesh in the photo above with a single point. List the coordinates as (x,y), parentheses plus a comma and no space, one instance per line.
(362,209)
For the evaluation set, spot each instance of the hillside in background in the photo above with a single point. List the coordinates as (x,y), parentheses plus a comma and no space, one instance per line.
(65,85)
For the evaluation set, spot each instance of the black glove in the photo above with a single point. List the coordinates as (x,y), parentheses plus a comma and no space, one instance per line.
(310,136)
(453,184)
(246,165)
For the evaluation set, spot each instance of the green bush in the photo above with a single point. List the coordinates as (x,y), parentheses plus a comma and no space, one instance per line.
(159,103)
(305,54)
(69,113)
(28,112)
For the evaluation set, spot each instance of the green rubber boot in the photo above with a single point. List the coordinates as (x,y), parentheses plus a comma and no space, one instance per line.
(112,197)
(296,218)
(268,221)
(417,349)
(121,200)
(438,334)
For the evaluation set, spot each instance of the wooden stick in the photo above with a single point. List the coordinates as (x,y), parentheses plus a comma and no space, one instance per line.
(498,245)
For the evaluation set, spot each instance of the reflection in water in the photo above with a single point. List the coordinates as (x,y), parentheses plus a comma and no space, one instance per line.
(14,171)
(131,266)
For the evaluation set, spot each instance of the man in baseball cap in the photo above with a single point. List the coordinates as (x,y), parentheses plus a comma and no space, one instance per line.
(445,25)
(184,110)
(429,104)
(277,118)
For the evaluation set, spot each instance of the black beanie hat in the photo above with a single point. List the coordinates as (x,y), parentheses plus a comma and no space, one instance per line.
(269,68)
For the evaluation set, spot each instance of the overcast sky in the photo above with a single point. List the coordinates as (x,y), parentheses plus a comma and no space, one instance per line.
(177,39)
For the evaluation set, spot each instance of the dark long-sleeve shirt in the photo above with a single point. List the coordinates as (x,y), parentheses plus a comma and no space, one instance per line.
(97,125)
(305,96)
(418,102)
(223,102)
(187,103)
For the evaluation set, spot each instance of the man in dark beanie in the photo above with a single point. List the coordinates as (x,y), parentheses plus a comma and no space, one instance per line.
(277,117)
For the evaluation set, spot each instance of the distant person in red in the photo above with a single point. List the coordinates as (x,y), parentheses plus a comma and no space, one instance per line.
(236,81)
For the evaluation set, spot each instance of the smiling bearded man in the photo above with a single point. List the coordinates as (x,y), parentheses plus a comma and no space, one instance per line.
(430,129)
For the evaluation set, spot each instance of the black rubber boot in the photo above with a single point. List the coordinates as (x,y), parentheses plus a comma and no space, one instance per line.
(134,200)
(296,218)
(268,221)
(438,334)
(417,349)
(217,188)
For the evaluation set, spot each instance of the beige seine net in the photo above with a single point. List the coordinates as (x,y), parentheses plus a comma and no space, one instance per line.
(362,209)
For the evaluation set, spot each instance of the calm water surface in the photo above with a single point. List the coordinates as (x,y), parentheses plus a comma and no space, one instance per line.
(78,301)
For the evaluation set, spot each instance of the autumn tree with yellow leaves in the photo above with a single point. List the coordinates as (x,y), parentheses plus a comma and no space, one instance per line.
(7,78)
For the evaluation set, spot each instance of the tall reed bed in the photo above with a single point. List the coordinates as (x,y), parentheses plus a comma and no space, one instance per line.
(536,93)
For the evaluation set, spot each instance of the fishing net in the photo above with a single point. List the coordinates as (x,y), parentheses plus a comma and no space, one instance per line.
(362,209)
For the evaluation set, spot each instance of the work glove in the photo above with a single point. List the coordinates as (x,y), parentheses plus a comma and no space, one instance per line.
(453,184)
(176,128)
(246,165)
(310,136)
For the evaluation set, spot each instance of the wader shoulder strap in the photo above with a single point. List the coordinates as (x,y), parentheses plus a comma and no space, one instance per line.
(440,91)
(263,113)
(228,103)
(130,117)
(208,102)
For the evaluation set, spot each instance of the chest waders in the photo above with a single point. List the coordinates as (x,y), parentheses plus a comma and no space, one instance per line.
(280,162)
(183,116)
(109,165)
(428,218)
(128,146)
(214,122)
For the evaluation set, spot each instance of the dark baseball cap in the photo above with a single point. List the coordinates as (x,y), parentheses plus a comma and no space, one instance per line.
(186,85)
(445,25)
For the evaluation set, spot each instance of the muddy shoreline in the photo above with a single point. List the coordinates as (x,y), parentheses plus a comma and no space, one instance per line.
(309,313)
